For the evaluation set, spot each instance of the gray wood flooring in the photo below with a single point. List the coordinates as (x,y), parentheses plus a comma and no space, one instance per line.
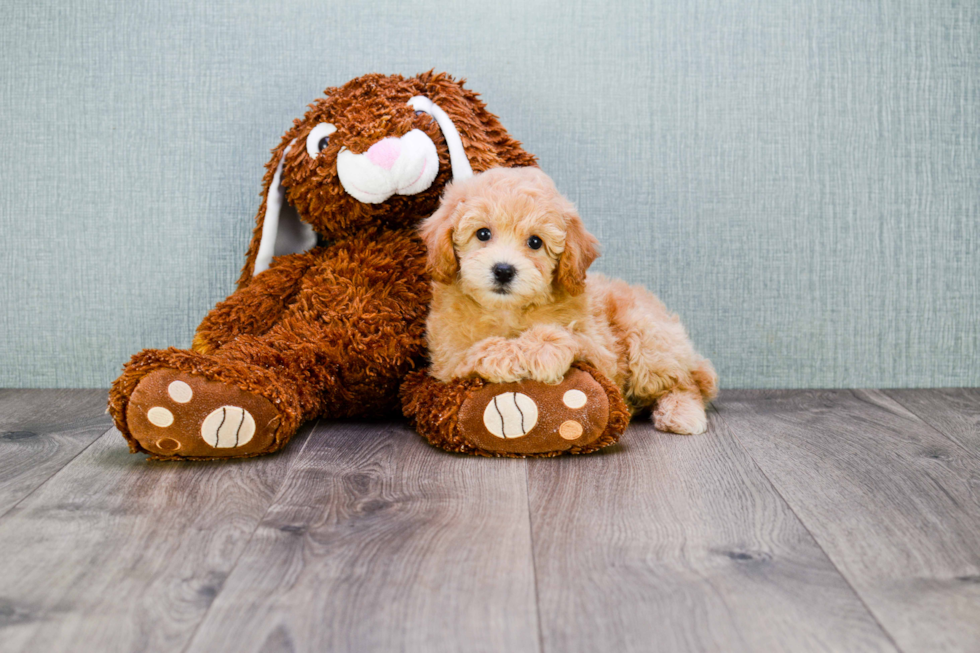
(803,521)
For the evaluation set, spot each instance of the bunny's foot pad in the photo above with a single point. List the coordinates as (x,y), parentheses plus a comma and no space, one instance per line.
(583,413)
(173,414)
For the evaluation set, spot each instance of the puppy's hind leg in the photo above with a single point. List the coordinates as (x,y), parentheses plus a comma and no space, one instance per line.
(667,375)
(681,411)
(704,375)
(677,395)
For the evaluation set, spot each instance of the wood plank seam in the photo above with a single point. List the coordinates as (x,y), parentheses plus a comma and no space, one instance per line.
(58,471)
(258,523)
(806,527)
(946,436)
(534,563)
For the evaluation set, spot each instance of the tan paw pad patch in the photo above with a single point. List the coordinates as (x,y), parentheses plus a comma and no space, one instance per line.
(574,399)
(180,392)
(160,416)
(570,430)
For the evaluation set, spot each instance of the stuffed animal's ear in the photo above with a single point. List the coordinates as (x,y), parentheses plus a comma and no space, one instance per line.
(485,141)
(278,228)
(437,234)
(581,249)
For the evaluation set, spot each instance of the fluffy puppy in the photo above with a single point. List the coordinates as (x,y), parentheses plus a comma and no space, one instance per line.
(508,257)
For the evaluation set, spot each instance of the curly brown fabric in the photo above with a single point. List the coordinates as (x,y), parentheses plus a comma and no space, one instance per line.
(433,409)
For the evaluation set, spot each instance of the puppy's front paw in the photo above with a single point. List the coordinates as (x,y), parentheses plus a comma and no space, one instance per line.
(497,360)
(548,364)
(548,353)
(501,366)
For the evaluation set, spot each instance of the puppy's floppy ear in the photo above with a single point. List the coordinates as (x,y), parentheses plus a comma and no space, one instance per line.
(437,233)
(581,249)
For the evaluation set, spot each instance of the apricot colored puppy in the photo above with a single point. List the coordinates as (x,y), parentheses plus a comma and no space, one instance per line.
(508,257)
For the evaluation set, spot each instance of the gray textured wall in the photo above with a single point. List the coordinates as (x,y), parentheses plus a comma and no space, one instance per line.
(799,180)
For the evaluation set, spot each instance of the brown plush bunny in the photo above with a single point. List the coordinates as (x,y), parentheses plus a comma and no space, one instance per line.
(329,314)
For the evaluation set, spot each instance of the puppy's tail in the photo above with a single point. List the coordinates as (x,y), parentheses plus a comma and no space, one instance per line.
(705,378)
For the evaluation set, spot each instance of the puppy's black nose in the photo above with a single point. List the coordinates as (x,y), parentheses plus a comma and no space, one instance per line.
(503,272)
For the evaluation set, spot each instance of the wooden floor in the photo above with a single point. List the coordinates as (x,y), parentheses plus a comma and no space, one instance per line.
(803,521)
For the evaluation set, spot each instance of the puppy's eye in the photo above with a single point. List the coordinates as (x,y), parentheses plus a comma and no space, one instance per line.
(319,138)
(534,242)
(483,234)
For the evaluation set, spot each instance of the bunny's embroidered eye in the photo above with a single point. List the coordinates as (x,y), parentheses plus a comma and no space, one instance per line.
(483,234)
(534,242)
(319,138)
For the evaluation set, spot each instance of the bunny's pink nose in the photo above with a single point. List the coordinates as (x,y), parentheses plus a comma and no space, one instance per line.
(385,152)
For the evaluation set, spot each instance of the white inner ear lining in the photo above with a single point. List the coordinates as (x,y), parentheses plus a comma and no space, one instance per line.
(270,225)
(457,155)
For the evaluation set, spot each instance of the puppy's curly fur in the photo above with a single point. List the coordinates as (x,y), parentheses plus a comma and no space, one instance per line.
(508,256)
